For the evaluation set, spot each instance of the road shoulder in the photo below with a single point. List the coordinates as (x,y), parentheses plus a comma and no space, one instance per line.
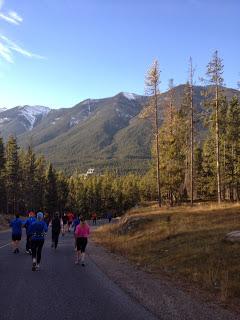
(159,296)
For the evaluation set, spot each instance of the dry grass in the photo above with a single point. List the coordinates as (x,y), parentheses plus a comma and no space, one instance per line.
(183,242)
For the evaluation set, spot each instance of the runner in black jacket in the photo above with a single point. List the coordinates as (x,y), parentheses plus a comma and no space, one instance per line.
(56,229)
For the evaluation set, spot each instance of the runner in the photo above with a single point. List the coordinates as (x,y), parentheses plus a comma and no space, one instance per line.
(109,216)
(75,223)
(70,217)
(47,218)
(16,225)
(56,229)
(94,218)
(27,224)
(82,232)
(37,231)
(64,221)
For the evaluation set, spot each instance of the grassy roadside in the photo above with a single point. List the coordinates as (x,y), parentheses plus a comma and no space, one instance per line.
(183,242)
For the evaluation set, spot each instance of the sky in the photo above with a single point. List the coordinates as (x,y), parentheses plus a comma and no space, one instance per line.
(57,53)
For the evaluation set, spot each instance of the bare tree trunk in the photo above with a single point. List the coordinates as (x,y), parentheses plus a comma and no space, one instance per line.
(157,147)
(191,130)
(218,148)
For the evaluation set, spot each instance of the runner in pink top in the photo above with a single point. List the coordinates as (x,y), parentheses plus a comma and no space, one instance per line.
(82,232)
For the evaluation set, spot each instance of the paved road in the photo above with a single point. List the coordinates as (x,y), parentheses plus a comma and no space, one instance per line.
(60,290)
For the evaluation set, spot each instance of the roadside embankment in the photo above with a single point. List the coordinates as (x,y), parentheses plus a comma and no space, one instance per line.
(184,244)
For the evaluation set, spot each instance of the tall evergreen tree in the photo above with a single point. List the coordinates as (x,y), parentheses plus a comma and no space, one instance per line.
(12,175)
(215,76)
(152,88)
(2,176)
(51,198)
(29,177)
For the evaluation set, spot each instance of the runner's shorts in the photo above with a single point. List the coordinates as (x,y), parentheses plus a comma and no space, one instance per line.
(16,237)
(81,244)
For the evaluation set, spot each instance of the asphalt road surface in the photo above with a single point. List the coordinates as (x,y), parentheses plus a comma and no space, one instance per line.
(60,290)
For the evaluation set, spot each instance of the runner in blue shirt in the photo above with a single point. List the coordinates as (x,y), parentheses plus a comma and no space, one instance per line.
(16,225)
(37,231)
(27,224)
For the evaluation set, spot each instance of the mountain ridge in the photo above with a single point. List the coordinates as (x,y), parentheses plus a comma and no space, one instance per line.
(102,133)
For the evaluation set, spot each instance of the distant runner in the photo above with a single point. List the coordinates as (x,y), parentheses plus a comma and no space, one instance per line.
(75,223)
(64,221)
(70,217)
(82,232)
(56,229)
(27,224)
(37,230)
(109,216)
(94,218)
(16,225)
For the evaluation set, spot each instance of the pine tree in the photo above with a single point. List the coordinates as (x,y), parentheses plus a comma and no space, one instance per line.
(29,179)
(214,74)
(40,183)
(232,149)
(12,175)
(152,88)
(51,198)
(2,180)
(62,191)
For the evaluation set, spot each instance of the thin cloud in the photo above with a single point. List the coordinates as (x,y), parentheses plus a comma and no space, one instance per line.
(11,16)
(5,53)
(8,47)
(14,15)
(8,18)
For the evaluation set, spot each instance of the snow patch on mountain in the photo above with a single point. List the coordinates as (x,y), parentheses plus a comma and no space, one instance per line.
(3,120)
(31,113)
(3,109)
(130,96)
(74,121)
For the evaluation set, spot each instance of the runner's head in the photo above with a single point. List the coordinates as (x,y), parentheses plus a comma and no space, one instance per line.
(31,214)
(82,219)
(39,216)
(17,215)
(56,215)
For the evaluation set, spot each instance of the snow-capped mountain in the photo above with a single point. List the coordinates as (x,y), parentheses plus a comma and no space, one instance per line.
(33,113)
(20,119)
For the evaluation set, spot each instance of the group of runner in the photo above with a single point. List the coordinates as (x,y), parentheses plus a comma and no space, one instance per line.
(36,226)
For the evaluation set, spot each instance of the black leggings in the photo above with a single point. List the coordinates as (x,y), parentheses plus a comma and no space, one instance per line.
(37,246)
(55,236)
(28,243)
(81,244)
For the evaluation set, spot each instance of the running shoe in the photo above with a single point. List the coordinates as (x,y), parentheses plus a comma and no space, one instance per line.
(34,266)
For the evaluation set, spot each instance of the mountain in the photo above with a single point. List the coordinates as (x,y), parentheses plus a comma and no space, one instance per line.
(19,120)
(100,133)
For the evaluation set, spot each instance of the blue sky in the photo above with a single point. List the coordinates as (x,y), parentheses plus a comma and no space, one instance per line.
(57,52)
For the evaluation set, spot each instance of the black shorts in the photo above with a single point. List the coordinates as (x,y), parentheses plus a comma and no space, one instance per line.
(81,244)
(16,237)
(69,223)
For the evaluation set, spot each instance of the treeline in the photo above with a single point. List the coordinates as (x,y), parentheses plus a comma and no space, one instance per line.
(191,162)
(28,182)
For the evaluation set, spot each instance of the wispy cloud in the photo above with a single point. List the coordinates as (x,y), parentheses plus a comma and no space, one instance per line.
(10,16)
(8,47)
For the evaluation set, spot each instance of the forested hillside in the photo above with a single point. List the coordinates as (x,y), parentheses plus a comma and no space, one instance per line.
(107,134)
